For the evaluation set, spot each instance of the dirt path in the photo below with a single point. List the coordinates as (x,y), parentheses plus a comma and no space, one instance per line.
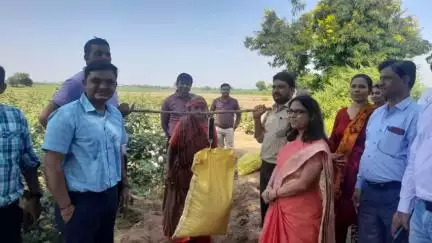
(144,220)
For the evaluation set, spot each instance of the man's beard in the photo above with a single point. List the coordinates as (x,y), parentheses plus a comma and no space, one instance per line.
(282,100)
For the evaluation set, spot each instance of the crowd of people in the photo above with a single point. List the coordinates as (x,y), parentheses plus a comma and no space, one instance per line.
(370,175)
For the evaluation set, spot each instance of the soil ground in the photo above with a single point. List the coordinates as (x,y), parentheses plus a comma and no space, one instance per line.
(143,221)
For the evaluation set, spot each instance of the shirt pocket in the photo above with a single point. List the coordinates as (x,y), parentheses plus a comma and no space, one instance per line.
(10,143)
(392,142)
(283,125)
(113,140)
(93,147)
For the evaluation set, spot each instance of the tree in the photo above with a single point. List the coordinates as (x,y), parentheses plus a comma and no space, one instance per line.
(261,85)
(355,33)
(338,39)
(18,79)
(429,60)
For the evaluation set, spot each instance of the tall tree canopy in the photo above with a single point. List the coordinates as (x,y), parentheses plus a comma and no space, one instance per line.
(352,33)
(338,38)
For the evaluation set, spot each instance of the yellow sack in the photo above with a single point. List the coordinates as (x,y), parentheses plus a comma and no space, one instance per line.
(248,163)
(209,199)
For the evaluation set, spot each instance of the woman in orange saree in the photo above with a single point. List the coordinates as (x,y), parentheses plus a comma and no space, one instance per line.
(347,143)
(300,191)
(189,136)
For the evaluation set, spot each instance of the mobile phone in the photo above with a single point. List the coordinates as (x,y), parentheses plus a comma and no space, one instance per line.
(398,232)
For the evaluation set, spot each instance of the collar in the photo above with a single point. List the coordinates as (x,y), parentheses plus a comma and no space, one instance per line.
(190,95)
(402,105)
(88,107)
(277,108)
(224,99)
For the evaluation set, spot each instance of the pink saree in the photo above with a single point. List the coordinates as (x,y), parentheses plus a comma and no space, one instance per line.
(307,217)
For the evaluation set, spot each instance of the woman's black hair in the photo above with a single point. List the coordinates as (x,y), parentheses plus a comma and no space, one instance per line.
(366,78)
(315,129)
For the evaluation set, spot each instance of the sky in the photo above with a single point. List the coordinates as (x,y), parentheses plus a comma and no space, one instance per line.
(151,41)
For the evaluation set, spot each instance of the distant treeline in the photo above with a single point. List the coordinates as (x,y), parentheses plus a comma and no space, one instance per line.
(155,88)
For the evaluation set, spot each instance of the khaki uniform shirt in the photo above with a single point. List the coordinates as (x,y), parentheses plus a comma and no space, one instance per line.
(276,124)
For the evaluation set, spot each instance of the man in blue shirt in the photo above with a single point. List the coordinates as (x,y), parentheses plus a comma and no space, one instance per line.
(83,161)
(390,131)
(16,157)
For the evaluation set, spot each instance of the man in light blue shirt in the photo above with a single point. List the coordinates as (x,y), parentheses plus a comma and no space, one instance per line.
(389,134)
(416,192)
(83,162)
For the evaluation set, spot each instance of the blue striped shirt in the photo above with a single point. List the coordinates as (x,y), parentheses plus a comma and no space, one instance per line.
(16,153)
(389,135)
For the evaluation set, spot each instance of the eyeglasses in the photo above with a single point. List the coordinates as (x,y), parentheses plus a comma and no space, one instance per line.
(296,112)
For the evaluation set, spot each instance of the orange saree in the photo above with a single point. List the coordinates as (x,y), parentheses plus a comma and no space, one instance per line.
(307,217)
(347,139)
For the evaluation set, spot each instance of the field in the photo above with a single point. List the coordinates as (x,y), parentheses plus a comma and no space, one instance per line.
(141,223)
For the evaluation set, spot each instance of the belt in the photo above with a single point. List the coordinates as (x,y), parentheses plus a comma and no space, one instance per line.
(385,185)
(428,206)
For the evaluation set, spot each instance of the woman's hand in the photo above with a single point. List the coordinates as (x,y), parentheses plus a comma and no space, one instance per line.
(265,196)
(272,195)
(338,159)
(336,156)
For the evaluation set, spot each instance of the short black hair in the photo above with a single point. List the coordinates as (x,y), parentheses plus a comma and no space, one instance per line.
(2,75)
(366,78)
(287,77)
(94,41)
(184,78)
(225,85)
(98,66)
(315,129)
(401,68)
(386,63)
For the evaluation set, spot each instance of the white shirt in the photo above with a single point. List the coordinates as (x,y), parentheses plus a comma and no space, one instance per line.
(417,180)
